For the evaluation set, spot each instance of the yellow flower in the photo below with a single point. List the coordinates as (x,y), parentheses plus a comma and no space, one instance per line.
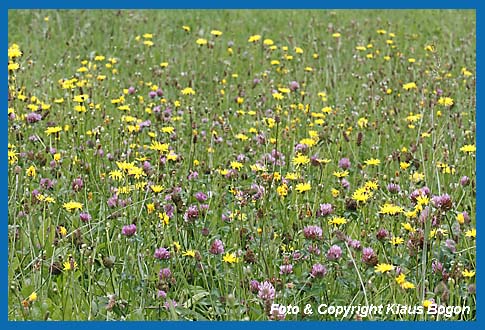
(201,41)
(168,130)
(31,171)
(69,206)
(14,51)
(188,91)
(303,187)
(426,303)
(408,86)
(468,273)
(156,188)
(337,221)
(404,166)
(460,218)
(408,285)
(236,165)
(397,241)
(150,208)
(164,217)
(230,258)
(161,147)
(416,177)
(446,101)
(216,33)
(62,231)
(390,209)
(254,38)
(336,35)
(242,137)
(407,226)
(341,174)
(300,160)
(383,268)
(268,42)
(282,190)
(32,297)
(362,122)
(335,192)
(372,161)
(53,130)
(189,253)
(469,148)
(186,28)
(401,279)
(116,175)
(471,233)
(70,265)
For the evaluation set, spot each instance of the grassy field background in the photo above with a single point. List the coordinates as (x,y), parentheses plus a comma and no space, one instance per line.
(229,128)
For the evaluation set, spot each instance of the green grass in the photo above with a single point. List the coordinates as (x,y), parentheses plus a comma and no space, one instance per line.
(351,102)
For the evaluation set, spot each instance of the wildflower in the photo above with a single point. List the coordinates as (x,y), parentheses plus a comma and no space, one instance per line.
(282,190)
(162,254)
(397,241)
(156,188)
(445,101)
(303,187)
(383,268)
(313,232)
(33,117)
(77,184)
(116,175)
(318,271)
(390,209)
(31,171)
(408,86)
(236,165)
(217,247)
(84,217)
(191,214)
(266,291)
(469,148)
(344,163)
(393,188)
(32,297)
(468,273)
(464,181)
(254,38)
(300,160)
(472,233)
(188,91)
(325,209)
(341,174)
(442,202)
(216,33)
(337,221)
(404,166)
(382,234)
(201,42)
(69,206)
(164,274)
(129,230)
(189,253)
(369,257)
(230,258)
(334,252)
(70,265)
(286,269)
(372,161)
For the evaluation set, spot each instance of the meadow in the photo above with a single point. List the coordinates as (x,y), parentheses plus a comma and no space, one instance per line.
(207,164)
